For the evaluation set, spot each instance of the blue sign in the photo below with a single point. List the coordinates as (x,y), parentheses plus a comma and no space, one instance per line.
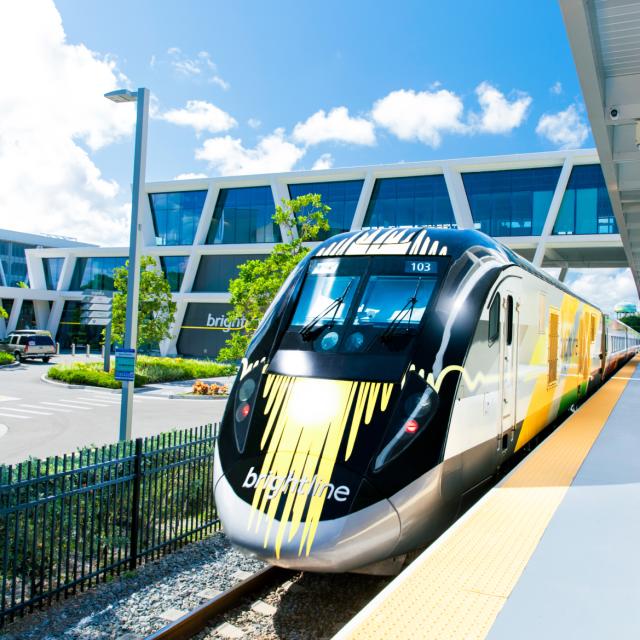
(125,365)
(421,266)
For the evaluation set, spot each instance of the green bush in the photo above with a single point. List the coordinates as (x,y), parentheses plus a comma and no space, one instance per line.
(5,358)
(148,371)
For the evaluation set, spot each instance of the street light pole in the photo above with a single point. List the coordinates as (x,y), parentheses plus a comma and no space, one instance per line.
(141,97)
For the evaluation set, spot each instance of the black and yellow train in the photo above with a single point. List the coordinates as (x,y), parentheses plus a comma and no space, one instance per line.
(396,371)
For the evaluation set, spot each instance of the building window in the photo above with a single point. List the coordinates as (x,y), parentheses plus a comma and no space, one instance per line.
(215,272)
(414,200)
(95,273)
(342,197)
(176,216)
(244,215)
(174,268)
(72,331)
(27,316)
(585,207)
(7,305)
(52,271)
(511,202)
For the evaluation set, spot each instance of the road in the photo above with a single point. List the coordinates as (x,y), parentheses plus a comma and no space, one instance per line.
(40,419)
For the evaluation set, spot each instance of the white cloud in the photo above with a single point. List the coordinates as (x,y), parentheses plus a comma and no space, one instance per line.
(556,88)
(190,176)
(202,116)
(498,113)
(50,183)
(335,126)
(566,129)
(201,66)
(325,161)
(228,156)
(420,115)
(604,287)
(254,123)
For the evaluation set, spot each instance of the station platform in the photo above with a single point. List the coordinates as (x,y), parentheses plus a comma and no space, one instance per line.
(553,551)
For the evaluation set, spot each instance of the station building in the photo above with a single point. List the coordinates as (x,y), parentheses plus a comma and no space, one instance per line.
(552,208)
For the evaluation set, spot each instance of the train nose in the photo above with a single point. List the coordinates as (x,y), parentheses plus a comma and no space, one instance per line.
(310,527)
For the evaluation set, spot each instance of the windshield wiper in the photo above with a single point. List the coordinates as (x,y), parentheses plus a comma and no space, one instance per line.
(307,331)
(408,308)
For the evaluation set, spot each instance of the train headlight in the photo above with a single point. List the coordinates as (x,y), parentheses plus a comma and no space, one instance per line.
(244,403)
(419,410)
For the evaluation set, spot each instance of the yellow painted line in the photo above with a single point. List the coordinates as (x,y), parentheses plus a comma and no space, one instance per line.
(457,587)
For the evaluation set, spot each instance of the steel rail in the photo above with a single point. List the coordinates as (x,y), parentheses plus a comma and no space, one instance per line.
(197,619)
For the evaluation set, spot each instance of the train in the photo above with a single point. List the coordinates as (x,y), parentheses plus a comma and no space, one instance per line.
(396,371)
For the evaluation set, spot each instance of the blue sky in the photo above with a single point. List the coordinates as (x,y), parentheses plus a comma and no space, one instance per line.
(283,61)
(252,87)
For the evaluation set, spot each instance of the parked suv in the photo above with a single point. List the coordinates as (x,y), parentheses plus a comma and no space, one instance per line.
(29,344)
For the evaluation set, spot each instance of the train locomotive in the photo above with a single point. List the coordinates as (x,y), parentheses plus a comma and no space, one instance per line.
(395,372)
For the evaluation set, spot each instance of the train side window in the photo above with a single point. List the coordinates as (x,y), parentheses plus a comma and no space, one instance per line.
(494,320)
(554,326)
(509,320)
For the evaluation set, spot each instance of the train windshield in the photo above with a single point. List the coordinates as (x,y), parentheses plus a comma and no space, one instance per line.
(362,304)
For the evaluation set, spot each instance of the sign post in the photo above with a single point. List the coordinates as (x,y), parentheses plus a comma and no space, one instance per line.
(96,311)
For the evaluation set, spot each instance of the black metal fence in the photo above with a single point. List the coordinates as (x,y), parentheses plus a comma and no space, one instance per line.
(69,522)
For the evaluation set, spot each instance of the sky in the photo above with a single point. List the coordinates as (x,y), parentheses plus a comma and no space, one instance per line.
(251,87)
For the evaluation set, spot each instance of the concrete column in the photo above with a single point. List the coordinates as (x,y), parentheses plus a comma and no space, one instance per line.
(458,197)
(363,201)
(554,207)
(563,274)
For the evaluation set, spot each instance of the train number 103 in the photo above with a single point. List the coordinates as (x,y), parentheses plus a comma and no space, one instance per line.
(422,266)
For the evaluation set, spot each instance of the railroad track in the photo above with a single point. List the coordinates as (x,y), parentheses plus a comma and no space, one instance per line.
(196,620)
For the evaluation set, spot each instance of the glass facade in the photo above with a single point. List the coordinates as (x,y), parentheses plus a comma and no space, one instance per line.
(511,202)
(174,268)
(585,207)
(342,197)
(27,316)
(71,330)
(95,273)
(414,200)
(176,216)
(52,271)
(214,272)
(14,262)
(244,215)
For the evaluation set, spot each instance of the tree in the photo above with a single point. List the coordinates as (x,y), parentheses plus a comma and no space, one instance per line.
(3,313)
(632,321)
(156,307)
(258,281)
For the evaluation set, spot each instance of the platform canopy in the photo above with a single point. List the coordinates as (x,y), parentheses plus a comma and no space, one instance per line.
(605,40)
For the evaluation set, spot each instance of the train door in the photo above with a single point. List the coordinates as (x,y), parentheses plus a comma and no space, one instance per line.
(509,369)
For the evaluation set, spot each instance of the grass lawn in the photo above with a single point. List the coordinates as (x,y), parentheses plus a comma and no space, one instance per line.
(148,371)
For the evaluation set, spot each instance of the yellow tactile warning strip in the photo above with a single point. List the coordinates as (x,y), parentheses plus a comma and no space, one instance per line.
(457,587)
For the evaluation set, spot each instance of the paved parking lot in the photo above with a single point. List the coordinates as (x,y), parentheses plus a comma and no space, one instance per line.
(40,419)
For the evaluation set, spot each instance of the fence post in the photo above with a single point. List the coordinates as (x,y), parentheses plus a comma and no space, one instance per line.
(135,506)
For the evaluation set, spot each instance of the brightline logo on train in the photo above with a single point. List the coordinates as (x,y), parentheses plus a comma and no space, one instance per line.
(275,484)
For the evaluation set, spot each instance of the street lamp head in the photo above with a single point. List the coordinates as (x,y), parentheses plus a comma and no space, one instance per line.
(122,95)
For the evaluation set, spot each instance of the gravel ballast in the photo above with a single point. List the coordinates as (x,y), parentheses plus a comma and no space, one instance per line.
(135,603)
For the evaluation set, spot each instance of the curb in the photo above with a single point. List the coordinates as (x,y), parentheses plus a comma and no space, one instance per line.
(67,385)
(11,365)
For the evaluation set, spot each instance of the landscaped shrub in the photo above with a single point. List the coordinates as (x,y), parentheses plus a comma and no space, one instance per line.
(5,358)
(148,371)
